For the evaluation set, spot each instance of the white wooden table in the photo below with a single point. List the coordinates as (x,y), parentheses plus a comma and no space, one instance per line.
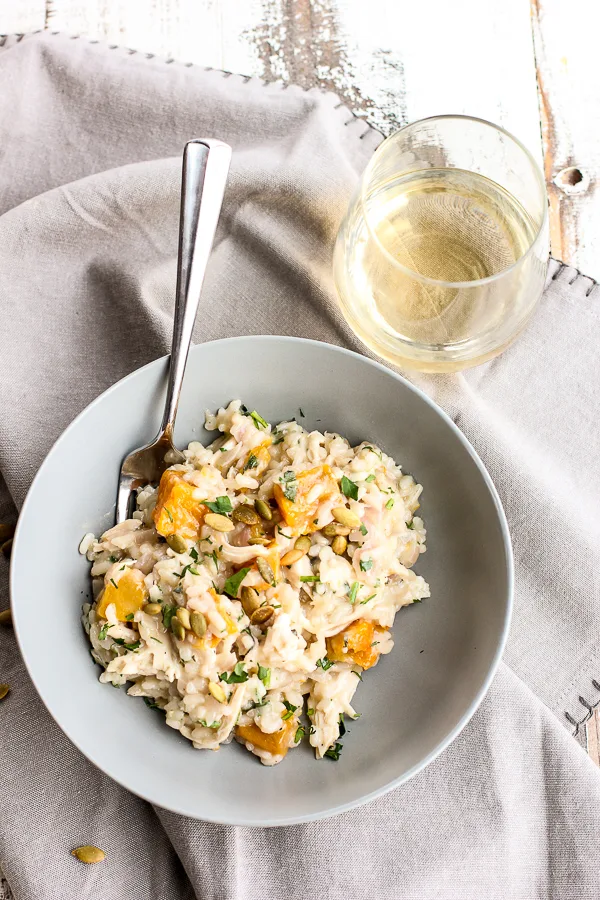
(528,65)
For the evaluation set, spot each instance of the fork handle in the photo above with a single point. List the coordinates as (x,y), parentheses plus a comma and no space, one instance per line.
(205,169)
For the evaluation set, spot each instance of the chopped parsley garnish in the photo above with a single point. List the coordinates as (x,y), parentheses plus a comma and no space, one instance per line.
(156,639)
(363,529)
(113,559)
(418,600)
(390,503)
(278,437)
(238,676)
(312,729)
(324,663)
(310,712)
(290,710)
(258,704)
(168,512)
(290,485)
(366,564)
(232,585)
(194,554)
(129,618)
(306,578)
(222,505)
(103,631)
(113,582)
(168,612)
(301,411)
(362,602)
(349,488)
(222,449)
(265,675)
(150,702)
(215,559)
(369,479)
(373,450)
(258,420)
(213,725)
(188,568)
(122,642)
(299,734)
(342,726)
(358,675)
(251,463)
(283,534)
(353,592)
(334,751)
(410,525)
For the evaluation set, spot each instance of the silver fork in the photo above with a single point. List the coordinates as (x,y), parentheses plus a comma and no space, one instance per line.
(205,169)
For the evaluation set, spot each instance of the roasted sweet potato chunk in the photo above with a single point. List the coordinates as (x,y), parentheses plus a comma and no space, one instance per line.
(276,742)
(128,594)
(299,498)
(355,644)
(176,511)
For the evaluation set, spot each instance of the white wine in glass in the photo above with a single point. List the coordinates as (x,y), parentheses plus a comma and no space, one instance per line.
(439,266)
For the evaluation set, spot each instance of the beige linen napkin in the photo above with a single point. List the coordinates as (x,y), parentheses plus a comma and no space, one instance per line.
(90,140)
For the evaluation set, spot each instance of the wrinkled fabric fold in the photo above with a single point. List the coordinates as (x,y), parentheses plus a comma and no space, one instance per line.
(90,146)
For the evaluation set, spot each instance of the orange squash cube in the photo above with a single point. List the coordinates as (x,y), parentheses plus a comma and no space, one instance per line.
(258,459)
(277,742)
(128,595)
(176,511)
(299,513)
(354,644)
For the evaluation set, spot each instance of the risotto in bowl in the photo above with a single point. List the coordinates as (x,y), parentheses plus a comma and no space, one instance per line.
(297,618)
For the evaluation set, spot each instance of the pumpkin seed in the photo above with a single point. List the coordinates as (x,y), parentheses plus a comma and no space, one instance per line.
(198,624)
(346,517)
(219,522)
(245,514)
(177,628)
(176,543)
(265,570)
(88,854)
(257,535)
(250,600)
(291,557)
(152,609)
(263,509)
(6,531)
(303,543)
(262,615)
(339,544)
(7,547)
(5,618)
(217,691)
(184,617)
(330,530)
(4,689)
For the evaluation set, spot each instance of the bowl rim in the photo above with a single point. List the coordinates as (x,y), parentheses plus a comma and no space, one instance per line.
(429,757)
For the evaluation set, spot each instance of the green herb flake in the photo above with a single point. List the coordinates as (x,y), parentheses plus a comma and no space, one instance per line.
(238,676)
(283,534)
(113,582)
(213,725)
(167,614)
(103,631)
(265,675)
(389,504)
(290,485)
(353,592)
(129,618)
(349,488)
(363,529)
(324,663)
(369,479)
(307,578)
(358,675)
(301,411)
(290,710)
(222,505)
(310,711)
(258,420)
(122,643)
(113,559)
(150,702)
(215,559)
(410,525)
(278,437)
(194,554)
(342,726)
(366,564)
(299,734)
(232,585)
(252,463)
(156,639)
(362,602)
(418,600)
(168,512)
(334,751)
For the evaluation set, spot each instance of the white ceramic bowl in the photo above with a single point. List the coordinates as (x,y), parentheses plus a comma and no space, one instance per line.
(413,703)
